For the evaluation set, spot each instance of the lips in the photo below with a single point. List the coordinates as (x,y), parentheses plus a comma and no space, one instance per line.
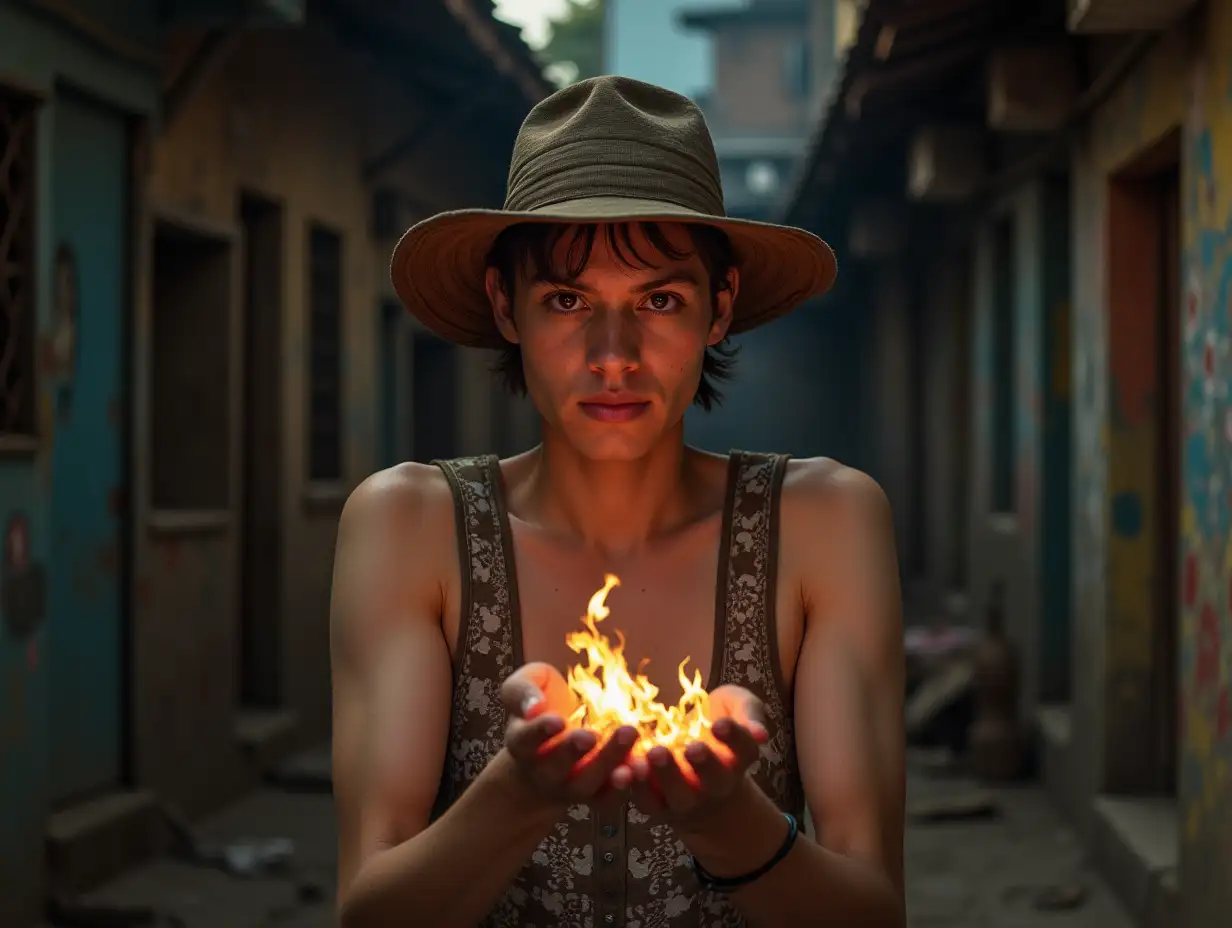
(615,407)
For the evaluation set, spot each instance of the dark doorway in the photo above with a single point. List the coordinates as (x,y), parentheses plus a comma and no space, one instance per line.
(1144,295)
(434,391)
(261,559)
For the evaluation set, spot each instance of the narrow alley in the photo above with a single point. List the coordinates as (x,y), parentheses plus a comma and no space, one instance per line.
(1004,859)
(209,340)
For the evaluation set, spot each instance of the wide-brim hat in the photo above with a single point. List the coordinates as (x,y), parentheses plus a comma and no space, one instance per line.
(607,149)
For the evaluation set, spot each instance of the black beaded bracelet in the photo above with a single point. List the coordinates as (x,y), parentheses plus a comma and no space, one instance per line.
(721,884)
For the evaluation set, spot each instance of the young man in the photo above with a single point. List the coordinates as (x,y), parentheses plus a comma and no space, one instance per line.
(610,280)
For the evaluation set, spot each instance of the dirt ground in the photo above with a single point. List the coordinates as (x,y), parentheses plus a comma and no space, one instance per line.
(1015,865)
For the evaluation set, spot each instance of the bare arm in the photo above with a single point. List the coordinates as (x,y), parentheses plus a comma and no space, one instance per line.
(392,680)
(849,735)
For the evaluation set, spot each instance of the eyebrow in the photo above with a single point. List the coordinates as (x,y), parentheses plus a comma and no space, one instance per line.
(676,277)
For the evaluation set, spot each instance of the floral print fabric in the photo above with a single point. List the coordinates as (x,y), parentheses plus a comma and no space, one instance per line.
(612,865)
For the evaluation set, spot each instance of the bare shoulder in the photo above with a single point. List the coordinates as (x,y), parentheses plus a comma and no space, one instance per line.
(390,565)
(404,498)
(837,540)
(821,496)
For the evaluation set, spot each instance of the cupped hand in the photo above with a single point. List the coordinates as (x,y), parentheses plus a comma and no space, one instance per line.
(685,793)
(561,765)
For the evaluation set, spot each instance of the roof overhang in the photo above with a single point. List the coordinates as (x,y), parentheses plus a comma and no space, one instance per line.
(1120,16)
(912,64)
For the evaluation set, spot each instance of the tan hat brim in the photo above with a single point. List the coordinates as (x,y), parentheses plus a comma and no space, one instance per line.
(439,265)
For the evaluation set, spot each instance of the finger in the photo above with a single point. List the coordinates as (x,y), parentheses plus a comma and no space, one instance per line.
(643,792)
(678,795)
(621,779)
(593,772)
(527,739)
(712,775)
(739,740)
(535,688)
(555,766)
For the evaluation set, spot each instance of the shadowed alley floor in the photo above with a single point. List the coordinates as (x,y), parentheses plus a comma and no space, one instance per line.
(989,872)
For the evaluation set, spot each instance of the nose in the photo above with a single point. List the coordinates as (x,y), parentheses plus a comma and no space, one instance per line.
(613,343)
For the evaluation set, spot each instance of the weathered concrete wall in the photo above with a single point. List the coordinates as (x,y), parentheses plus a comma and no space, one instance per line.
(1002,544)
(946,314)
(1053,410)
(1025,548)
(888,379)
(299,139)
(37,54)
(1184,81)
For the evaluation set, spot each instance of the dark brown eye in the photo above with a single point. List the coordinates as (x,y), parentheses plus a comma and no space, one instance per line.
(564,302)
(663,302)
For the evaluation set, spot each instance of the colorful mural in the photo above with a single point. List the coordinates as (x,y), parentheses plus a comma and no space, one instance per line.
(1177,84)
(1206,657)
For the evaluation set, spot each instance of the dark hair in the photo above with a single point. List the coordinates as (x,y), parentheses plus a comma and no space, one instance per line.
(531,246)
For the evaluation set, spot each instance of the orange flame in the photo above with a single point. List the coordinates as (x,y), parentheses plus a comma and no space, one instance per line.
(609,696)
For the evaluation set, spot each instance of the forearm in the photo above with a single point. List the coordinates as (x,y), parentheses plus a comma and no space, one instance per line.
(810,886)
(454,871)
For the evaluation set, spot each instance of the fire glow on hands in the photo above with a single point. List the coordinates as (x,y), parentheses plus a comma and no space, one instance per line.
(609,696)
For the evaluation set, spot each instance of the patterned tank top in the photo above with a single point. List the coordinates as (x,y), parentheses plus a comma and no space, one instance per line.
(608,863)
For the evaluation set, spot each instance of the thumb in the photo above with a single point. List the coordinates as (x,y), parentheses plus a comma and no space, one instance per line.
(742,706)
(534,689)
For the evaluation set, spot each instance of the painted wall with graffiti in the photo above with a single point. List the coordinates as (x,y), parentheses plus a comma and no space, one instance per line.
(1182,89)
(1206,653)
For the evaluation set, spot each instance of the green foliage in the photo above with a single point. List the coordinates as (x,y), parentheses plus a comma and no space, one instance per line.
(575,45)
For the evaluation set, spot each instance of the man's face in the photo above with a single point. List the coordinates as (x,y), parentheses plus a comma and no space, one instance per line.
(613,357)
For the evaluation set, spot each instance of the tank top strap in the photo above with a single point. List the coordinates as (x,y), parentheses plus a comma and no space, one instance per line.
(489,645)
(748,579)
(489,633)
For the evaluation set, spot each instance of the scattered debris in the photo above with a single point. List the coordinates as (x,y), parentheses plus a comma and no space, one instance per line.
(942,708)
(1055,897)
(244,857)
(961,807)
(935,762)
(940,641)
(309,772)
(1061,898)
(250,857)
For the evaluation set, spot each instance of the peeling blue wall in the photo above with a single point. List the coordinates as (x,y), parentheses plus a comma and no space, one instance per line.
(37,53)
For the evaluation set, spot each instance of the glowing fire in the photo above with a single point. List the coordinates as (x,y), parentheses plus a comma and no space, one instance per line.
(609,696)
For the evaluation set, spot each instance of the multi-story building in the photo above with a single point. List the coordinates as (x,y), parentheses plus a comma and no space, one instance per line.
(759,105)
